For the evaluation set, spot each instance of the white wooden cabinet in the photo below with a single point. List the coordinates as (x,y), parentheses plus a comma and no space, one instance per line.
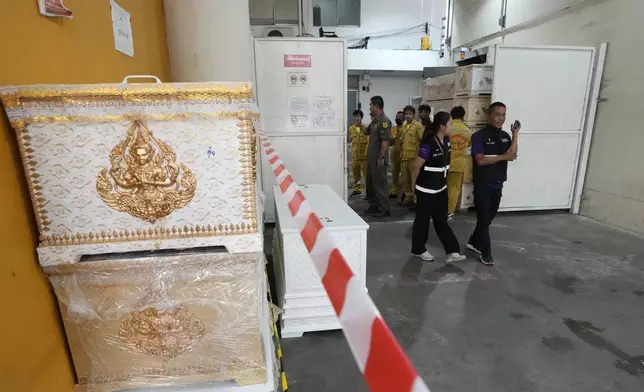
(299,289)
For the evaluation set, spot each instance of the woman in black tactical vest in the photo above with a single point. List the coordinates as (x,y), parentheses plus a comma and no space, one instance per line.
(430,182)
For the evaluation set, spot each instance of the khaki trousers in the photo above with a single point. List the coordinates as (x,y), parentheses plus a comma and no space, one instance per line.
(405,180)
(359,171)
(454,187)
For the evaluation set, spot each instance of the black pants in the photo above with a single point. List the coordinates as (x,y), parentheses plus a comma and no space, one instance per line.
(487,198)
(432,206)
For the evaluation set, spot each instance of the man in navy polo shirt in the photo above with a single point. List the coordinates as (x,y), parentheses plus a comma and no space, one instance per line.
(492,149)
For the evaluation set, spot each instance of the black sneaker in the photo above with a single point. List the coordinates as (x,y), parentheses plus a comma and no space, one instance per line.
(382,214)
(356,193)
(487,260)
(372,210)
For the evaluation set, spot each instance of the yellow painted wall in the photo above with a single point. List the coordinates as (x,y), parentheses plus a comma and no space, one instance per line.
(35,49)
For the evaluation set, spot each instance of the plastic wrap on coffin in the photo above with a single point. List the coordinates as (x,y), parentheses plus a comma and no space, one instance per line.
(163,320)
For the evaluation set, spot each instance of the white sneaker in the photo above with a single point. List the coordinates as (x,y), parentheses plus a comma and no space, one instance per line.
(454,257)
(472,248)
(426,256)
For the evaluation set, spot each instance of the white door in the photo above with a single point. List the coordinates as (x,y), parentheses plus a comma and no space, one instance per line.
(547,89)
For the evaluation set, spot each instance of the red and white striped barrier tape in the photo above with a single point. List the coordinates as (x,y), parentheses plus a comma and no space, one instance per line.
(378,354)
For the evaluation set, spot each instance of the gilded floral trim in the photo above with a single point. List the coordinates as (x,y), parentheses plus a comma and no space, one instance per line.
(222,115)
(33,179)
(156,233)
(128,93)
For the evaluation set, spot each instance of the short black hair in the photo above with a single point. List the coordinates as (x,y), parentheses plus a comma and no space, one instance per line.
(425,108)
(378,101)
(400,112)
(458,113)
(496,105)
(409,108)
(358,113)
(275,33)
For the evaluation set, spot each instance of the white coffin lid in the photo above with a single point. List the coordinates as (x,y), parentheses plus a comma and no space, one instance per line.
(334,213)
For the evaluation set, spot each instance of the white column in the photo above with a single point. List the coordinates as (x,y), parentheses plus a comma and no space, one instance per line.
(209,40)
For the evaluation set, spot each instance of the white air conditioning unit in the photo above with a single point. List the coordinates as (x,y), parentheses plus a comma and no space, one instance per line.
(269,31)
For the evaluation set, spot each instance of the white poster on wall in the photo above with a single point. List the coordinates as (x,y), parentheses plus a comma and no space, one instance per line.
(298,111)
(323,114)
(122,26)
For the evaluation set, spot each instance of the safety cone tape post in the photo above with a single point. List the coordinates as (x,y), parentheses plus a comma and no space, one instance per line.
(378,354)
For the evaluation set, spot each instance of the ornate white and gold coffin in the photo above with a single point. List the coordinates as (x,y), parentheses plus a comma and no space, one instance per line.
(171,319)
(439,88)
(476,109)
(474,79)
(128,167)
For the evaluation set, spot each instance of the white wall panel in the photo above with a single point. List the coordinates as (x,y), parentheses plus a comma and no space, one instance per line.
(474,19)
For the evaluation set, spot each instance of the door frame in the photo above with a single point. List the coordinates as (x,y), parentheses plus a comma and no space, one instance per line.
(593,101)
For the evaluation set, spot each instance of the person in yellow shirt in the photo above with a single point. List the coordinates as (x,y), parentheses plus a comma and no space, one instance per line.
(461,141)
(411,134)
(359,143)
(396,142)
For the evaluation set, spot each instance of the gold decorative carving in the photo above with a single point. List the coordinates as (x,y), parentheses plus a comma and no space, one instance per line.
(162,333)
(145,176)
(464,81)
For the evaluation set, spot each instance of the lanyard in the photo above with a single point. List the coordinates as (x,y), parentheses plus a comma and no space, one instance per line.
(440,146)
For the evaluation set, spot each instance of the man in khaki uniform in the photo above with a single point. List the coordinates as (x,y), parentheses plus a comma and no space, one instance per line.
(396,153)
(378,159)
(411,136)
(359,142)
(461,141)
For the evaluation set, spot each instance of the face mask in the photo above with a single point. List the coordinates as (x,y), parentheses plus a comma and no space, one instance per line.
(399,122)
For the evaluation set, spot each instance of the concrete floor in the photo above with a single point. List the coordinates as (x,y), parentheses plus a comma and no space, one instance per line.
(563,310)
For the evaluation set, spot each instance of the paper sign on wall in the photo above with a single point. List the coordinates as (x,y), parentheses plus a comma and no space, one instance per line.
(122,26)
(298,111)
(323,114)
